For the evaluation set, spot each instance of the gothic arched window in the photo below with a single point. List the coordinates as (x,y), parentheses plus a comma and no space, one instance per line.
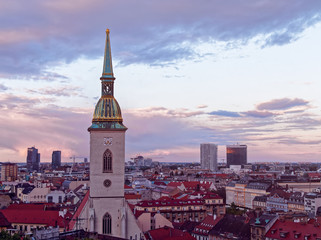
(107,224)
(108,161)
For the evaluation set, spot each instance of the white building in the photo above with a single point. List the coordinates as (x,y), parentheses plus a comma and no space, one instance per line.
(209,156)
(311,203)
(56,197)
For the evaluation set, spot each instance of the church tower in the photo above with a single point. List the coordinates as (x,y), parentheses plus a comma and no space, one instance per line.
(107,158)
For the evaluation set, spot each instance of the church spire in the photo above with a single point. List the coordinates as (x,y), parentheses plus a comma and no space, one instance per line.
(108,66)
(107,78)
(107,114)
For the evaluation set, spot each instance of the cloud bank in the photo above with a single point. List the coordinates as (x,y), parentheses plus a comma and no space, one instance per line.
(42,34)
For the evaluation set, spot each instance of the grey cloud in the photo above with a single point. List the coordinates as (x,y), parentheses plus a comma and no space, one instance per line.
(11,102)
(178,113)
(48,33)
(49,127)
(65,91)
(299,142)
(225,113)
(282,104)
(183,113)
(259,114)
(3,87)
(202,106)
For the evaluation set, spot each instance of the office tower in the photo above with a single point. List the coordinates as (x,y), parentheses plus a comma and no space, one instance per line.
(33,159)
(236,155)
(56,159)
(209,156)
(9,172)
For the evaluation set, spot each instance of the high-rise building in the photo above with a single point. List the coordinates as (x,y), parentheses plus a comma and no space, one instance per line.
(56,159)
(209,156)
(33,159)
(9,172)
(236,155)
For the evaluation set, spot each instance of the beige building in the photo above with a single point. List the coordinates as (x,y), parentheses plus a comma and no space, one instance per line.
(38,195)
(9,172)
(242,193)
(176,210)
(149,221)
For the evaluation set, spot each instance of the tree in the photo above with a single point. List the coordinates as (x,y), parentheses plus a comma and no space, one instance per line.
(6,236)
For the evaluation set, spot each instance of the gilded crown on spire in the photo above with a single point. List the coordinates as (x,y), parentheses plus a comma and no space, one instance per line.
(107,114)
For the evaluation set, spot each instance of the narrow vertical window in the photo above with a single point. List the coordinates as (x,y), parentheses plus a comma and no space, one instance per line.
(107,224)
(108,161)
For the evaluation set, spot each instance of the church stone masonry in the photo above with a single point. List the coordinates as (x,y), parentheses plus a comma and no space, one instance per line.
(106,210)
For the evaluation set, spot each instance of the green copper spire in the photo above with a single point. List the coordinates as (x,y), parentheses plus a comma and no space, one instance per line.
(108,66)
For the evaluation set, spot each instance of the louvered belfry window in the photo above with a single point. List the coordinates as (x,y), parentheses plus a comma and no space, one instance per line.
(108,161)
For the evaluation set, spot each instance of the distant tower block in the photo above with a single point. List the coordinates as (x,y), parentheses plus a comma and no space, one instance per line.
(236,155)
(107,158)
(33,159)
(209,156)
(56,159)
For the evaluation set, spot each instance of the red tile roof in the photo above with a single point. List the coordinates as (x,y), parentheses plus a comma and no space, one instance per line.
(206,225)
(129,196)
(3,221)
(135,212)
(193,185)
(30,206)
(175,184)
(78,211)
(181,196)
(127,187)
(314,175)
(32,216)
(212,196)
(170,202)
(167,233)
(292,230)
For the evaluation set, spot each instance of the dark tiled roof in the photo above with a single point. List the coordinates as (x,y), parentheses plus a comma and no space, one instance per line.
(260,198)
(230,225)
(28,189)
(263,220)
(187,226)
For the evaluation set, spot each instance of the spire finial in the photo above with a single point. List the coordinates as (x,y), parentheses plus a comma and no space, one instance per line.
(108,66)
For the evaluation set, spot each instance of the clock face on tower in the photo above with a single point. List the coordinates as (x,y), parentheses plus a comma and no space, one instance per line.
(108,141)
(107,89)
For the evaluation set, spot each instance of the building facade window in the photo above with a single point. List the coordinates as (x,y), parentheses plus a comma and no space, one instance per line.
(107,224)
(107,161)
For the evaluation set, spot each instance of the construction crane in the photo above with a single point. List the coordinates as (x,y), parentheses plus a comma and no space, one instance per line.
(74,158)
(74,161)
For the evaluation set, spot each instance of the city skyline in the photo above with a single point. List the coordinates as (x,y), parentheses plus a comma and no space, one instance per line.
(203,73)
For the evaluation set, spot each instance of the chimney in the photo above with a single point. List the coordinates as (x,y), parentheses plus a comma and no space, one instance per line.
(214,216)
